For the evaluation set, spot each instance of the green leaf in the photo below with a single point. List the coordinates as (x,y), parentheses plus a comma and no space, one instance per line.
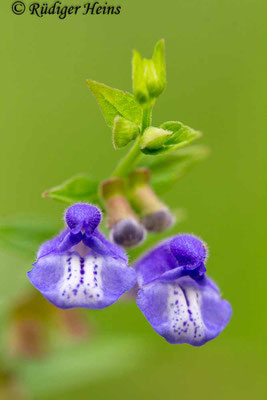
(182,134)
(168,168)
(24,234)
(20,238)
(153,139)
(77,188)
(123,132)
(115,102)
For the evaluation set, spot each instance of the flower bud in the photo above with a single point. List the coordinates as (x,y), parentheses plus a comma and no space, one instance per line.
(159,221)
(149,76)
(155,215)
(123,132)
(126,231)
(139,85)
(153,139)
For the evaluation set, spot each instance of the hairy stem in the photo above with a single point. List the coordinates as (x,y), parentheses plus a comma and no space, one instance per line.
(147,117)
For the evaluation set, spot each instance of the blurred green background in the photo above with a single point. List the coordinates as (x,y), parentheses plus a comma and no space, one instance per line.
(52,128)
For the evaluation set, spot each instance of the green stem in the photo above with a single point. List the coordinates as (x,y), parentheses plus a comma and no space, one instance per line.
(147,117)
(125,165)
(128,162)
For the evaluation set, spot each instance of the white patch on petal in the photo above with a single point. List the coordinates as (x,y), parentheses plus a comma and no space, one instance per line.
(81,282)
(185,314)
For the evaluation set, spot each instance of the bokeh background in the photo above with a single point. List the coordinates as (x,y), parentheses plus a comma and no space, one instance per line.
(52,128)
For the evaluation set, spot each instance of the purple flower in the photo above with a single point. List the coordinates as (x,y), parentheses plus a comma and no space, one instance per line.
(178,299)
(79,267)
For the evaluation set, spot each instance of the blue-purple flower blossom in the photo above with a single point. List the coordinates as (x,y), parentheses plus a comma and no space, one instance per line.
(177,298)
(79,267)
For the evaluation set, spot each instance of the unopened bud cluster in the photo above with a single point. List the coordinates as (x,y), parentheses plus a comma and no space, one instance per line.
(133,210)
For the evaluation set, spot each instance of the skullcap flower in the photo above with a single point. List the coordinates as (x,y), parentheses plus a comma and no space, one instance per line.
(80,267)
(177,298)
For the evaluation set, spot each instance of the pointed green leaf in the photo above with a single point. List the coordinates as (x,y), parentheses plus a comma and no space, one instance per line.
(182,134)
(123,132)
(20,238)
(77,188)
(24,234)
(153,139)
(168,168)
(115,102)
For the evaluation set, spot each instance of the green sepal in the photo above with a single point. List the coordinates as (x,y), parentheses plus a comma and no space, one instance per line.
(75,189)
(153,139)
(166,169)
(123,132)
(115,102)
